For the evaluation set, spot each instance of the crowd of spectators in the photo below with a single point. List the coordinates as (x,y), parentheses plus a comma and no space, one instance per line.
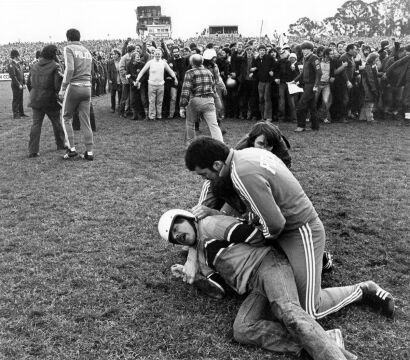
(359,92)
(28,50)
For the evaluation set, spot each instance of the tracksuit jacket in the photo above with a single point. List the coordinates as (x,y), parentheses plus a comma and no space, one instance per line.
(78,63)
(271,193)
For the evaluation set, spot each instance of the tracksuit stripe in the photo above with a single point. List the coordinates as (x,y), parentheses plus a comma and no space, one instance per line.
(216,284)
(231,230)
(311,257)
(204,192)
(382,293)
(309,295)
(216,256)
(250,237)
(356,295)
(67,140)
(241,188)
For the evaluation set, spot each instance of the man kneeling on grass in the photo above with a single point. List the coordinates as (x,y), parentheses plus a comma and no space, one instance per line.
(238,253)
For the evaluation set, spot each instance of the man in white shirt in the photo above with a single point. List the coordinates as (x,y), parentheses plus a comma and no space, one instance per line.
(156,68)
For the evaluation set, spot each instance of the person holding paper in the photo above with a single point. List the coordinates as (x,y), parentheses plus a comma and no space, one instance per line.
(286,71)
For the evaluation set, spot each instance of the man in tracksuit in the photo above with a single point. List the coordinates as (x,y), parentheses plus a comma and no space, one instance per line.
(75,93)
(277,203)
(238,253)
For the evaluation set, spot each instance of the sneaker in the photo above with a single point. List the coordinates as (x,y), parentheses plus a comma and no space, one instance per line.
(88,155)
(378,298)
(327,262)
(23,115)
(326,121)
(34,155)
(299,129)
(70,154)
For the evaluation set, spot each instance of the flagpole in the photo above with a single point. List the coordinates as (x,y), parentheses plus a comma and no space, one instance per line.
(260,32)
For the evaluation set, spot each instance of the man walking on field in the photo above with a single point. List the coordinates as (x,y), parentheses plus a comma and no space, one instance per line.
(198,98)
(75,93)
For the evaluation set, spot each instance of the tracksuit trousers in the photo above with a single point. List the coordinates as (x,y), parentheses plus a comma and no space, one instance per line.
(77,97)
(304,248)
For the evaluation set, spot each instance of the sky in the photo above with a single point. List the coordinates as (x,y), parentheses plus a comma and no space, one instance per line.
(48,20)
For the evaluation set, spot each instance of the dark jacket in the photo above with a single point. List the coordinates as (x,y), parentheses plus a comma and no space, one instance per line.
(134,69)
(396,73)
(112,74)
(348,72)
(45,81)
(224,68)
(264,66)
(179,67)
(370,82)
(16,74)
(284,72)
(236,63)
(311,71)
(245,69)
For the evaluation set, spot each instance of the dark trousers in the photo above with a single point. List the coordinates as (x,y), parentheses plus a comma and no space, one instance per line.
(124,97)
(136,102)
(116,90)
(232,103)
(248,98)
(275,101)
(35,133)
(340,104)
(307,103)
(17,102)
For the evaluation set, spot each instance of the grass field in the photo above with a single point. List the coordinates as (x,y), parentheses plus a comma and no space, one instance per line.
(84,274)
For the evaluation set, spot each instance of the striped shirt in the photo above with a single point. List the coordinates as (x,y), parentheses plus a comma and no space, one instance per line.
(230,247)
(197,82)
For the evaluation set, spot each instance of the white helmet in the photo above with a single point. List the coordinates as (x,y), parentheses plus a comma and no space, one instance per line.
(167,221)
